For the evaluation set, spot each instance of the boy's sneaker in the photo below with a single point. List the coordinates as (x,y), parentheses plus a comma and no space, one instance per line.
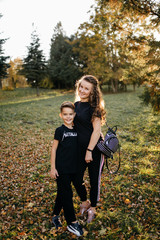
(75,228)
(56,221)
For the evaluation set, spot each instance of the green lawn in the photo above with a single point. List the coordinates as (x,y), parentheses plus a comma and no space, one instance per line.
(128,208)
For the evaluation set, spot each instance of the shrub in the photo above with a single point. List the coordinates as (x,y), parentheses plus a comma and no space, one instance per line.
(7,88)
(151,95)
(46,83)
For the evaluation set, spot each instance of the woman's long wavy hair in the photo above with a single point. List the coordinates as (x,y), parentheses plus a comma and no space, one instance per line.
(95,98)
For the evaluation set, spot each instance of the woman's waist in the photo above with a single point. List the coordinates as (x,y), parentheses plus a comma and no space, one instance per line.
(83,140)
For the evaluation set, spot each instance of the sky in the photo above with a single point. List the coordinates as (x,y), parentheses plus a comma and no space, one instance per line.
(18,16)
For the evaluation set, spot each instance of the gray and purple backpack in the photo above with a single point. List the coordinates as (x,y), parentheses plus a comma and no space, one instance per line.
(110,144)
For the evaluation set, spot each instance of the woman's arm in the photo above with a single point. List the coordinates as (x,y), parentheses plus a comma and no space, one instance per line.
(54,173)
(94,138)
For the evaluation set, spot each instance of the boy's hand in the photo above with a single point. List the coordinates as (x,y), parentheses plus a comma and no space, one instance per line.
(54,173)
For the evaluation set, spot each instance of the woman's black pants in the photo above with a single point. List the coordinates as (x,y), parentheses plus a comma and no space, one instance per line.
(94,170)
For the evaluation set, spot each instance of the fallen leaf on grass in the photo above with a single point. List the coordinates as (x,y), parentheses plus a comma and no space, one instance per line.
(30,205)
(53,231)
(102,231)
(127,201)
(22,233)
(85,233)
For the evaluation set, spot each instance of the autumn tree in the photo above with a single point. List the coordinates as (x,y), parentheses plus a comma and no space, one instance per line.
(150,73)
(3,61)
(114,44)
(149,9)
(151,81)
(92,58)
(108,41)
(34,66)
(146,8)
(63,68)
(16,79)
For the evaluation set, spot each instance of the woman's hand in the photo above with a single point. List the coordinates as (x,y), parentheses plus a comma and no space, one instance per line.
(88,157)
(102,136)
(54,173)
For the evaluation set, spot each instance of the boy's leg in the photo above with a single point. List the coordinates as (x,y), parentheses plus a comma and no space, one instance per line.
(56,211)
(58,204)
(65,193)
(78,181)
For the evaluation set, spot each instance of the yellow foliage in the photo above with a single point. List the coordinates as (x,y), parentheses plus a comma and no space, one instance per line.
(127,201)
(7,88)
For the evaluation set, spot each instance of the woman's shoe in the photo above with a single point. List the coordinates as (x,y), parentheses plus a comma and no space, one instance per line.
(84,207)
(91,215)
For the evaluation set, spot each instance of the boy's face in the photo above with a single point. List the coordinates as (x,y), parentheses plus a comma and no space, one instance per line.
(67,115)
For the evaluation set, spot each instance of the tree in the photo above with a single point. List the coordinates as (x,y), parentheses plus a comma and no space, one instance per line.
(16,79)
(92,58)
(62,64)
(115,43)
(149,9)
(108,41)
(151,94)
(3,64)
(34,66)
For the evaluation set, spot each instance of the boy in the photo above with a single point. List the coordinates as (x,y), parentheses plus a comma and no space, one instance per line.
(63,168)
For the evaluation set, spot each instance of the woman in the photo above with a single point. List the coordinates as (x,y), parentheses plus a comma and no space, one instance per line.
(90,115)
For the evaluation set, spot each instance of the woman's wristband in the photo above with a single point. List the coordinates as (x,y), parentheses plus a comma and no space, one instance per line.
(89,150)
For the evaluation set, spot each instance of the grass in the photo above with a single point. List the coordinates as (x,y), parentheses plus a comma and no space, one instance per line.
(128,208)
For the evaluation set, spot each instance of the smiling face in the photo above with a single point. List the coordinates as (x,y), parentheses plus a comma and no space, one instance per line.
(67,114)
(84,90)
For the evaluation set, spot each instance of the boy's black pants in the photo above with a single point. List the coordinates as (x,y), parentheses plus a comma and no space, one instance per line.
(64,197)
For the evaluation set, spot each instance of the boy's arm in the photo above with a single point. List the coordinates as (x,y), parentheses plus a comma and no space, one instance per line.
(54,173)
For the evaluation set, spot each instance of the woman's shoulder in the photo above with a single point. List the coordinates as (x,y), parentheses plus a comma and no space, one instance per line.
(82,103)
(76,103)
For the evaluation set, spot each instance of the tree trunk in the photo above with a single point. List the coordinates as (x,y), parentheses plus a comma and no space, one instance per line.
(59,85)
(134,87)
(13,82)
(112,84)
(37,91)
(109,87)
(0,84)
(116,85)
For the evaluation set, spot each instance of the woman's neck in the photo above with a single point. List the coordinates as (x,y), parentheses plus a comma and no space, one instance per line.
(84,100)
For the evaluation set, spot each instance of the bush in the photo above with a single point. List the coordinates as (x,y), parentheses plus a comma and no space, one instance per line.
(7,88)
(151,95)
(46,83)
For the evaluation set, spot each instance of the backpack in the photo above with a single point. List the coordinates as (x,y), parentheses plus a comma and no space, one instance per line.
(110,144)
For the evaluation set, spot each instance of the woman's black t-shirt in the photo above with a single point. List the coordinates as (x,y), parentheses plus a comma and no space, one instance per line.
(66,154)
(82,122)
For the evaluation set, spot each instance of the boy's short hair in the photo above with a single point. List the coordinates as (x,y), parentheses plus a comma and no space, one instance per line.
(67,104)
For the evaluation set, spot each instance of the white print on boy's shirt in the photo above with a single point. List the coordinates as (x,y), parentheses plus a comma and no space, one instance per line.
(69,134)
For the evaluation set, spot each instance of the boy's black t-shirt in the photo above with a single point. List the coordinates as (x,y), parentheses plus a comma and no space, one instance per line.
(82,122)
(66,154)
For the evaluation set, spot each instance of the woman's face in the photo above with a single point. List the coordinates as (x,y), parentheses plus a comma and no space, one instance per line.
(84,90)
